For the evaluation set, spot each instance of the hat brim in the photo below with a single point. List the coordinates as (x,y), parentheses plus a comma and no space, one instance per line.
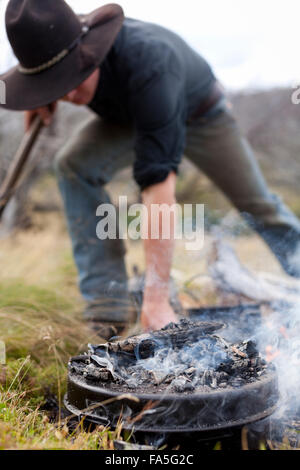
(26,92)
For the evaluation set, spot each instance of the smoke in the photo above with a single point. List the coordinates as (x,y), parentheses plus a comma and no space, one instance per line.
(279,335)
(196,358)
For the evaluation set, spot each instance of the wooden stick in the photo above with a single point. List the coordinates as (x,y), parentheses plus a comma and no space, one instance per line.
(15,170)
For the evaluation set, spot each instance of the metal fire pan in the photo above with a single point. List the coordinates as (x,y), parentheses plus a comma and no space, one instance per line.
(172,413)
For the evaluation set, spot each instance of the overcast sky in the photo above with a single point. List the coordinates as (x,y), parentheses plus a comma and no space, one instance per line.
(249,43)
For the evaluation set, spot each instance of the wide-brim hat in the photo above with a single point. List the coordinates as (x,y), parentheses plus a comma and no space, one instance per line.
(57,50)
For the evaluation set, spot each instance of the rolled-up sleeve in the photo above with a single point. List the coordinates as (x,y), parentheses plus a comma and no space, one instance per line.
(158,113)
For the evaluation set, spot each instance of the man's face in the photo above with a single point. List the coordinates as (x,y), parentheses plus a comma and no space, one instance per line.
(84,93)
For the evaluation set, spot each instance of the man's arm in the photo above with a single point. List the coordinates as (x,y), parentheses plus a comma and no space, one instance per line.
(158,107)
(156,310)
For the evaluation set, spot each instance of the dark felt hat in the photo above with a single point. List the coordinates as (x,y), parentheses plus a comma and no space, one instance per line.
(57,50)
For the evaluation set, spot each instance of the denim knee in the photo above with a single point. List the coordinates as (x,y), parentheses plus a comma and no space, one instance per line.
(70,163)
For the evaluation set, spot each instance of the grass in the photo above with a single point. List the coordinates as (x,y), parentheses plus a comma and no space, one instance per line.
(24,426)
(41,332)
(40,323)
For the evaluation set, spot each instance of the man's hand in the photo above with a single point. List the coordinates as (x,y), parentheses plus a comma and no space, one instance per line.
(46,114)
(156,310)
(156,315)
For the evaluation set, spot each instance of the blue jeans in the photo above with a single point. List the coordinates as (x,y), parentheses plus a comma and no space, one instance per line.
(84,166)
(95,153)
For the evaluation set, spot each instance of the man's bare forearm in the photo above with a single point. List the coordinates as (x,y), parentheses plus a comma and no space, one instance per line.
(158,254)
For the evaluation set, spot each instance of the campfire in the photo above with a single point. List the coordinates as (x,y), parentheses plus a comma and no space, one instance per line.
(185,376)
(184,357)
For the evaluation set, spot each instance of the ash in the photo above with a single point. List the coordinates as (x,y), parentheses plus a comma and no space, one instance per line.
(181,358)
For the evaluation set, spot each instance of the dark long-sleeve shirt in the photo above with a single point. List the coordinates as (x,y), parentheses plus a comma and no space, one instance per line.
(154,80)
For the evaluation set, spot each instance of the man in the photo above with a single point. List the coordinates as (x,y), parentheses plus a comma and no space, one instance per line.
(157,99)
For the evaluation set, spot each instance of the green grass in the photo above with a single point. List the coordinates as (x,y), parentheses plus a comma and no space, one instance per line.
(41,331)
(24,426)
